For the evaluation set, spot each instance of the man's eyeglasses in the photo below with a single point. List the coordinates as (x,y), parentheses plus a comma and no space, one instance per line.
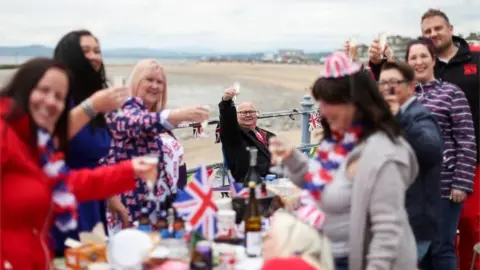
(390,83)
(245,113)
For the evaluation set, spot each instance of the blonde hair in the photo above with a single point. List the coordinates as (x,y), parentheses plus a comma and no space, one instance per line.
(141,70)
(298,238)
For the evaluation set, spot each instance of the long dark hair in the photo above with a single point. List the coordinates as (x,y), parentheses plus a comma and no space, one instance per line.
(85,80)
(362,91)
(20,88)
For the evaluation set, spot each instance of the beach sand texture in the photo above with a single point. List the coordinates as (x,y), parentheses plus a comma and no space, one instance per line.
(270,87)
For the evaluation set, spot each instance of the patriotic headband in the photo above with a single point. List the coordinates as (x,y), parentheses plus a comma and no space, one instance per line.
(338,65)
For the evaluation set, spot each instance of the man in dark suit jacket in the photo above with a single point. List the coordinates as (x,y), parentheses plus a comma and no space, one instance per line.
(421,130)
(238,130)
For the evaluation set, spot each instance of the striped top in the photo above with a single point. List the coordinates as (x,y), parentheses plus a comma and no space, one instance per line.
(449,106)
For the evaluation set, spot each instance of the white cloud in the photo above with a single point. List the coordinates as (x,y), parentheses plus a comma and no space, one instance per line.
(224,25)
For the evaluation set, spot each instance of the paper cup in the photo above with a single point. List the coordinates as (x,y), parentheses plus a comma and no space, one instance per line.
(226,221)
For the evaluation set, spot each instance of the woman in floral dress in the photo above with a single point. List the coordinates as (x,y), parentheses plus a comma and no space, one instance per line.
(144,127)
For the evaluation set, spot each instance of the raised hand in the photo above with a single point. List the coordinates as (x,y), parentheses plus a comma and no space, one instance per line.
(109,99)
(229,93)
(375,52)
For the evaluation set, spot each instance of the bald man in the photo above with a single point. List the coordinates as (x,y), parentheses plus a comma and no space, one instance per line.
(238,131)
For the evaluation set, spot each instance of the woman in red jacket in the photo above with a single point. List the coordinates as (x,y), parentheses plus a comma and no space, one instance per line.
(37,190)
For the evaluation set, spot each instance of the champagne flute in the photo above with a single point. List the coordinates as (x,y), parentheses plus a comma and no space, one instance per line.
(236,86)
(151,160)
(382,42)
(204,124)
(119,81)
(352,49)
(278,169)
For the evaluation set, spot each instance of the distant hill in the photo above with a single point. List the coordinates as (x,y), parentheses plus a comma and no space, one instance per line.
(30,50)
(187,52)
(40,50)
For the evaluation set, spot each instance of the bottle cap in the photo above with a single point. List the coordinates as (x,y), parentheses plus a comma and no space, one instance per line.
(251,184)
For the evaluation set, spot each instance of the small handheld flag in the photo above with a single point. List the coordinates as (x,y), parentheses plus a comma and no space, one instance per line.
(195,202)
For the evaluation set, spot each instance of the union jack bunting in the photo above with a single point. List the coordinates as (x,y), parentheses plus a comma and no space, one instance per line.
(196,204)
(314,121)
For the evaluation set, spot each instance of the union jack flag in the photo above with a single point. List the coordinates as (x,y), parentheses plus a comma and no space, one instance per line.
(314,121)
(236,189)
(195,203)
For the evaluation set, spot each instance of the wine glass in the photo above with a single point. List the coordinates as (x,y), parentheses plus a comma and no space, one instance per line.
(382,42)
(119,81)
(352,49)
(151,178)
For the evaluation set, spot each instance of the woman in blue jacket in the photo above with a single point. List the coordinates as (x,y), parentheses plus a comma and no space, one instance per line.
(80,52)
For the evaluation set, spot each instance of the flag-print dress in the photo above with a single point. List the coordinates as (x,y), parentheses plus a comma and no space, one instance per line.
(136,132)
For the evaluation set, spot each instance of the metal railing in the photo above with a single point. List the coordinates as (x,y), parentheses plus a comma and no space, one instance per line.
(306,109)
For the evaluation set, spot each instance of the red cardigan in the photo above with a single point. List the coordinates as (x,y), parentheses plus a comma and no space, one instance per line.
(26,196)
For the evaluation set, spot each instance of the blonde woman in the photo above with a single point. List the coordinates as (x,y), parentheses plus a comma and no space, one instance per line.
(293,244)
(144,127)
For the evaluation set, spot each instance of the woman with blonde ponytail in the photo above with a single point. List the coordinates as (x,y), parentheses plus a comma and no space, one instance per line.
(292,244)
(144,127)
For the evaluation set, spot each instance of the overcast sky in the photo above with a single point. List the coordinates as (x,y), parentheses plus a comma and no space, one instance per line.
(223,25)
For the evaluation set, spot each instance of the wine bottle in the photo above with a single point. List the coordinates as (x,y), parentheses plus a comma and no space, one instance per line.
(253,225)
(252,174)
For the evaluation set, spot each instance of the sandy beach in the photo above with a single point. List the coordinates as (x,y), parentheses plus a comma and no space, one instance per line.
(270,87)
(293,77)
